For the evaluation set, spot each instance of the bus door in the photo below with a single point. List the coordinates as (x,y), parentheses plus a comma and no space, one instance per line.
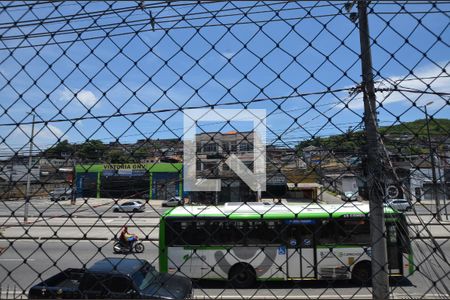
(300,249)
(393,249)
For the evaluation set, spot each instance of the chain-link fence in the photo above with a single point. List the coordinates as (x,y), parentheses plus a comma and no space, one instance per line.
(224,150)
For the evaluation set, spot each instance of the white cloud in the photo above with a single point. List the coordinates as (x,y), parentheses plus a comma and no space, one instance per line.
(228,54)
(3,72)
(44,136)
(86,97)
(429,79)
(53,130)
(79,124)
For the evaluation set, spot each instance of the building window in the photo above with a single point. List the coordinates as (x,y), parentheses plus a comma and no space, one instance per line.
(232,147)
(245,147)
(418,192)
(209,147)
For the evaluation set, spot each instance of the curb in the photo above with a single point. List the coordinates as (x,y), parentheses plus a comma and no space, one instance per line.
(78,226)
(69,239)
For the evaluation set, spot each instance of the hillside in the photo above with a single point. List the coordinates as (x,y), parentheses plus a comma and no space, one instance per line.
(438,128)
(412,133)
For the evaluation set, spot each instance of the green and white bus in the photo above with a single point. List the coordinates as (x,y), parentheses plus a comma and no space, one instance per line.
(244,243)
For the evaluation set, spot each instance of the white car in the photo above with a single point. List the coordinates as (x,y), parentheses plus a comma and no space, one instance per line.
(130,206)
(172,202)
(351,196)
(399,204)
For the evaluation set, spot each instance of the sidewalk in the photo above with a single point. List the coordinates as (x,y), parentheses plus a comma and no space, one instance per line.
(96,202)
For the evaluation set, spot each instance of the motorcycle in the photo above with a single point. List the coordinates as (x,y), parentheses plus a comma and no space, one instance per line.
(135,246)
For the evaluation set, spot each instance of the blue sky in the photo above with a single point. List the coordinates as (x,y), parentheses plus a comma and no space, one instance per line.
(161,71)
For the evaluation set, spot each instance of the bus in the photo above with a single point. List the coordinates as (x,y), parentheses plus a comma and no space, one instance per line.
(245,243)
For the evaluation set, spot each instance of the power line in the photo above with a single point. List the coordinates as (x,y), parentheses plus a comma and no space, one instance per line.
(209,13)
(155,5)
(145,22)
(411,90)
(178,109)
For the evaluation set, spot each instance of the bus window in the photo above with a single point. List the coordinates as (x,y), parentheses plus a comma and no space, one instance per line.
(181,233)
(256,233)
(216,233)
(306,236)
(189,232)
(326,232)
(262,233)
(173,234)
(353,232)
(237,236)
(300,233)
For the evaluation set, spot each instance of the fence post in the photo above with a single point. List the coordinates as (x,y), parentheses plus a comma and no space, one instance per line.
(380,280)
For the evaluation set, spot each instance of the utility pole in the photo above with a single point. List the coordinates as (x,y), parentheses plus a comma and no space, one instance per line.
(380,279)
(258,194)
(11,185)
(30,161)
(433,166)
(216,195)
(443,186)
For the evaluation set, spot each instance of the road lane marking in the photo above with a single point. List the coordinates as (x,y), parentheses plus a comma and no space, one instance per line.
(155,242)
(321,296)
(16,259)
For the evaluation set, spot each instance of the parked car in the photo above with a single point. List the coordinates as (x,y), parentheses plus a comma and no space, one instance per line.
(60,194)
(113,278)
(174,201)
(399,204)
(129,206)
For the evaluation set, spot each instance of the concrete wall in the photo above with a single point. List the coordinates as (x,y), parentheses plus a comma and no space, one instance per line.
(37,189)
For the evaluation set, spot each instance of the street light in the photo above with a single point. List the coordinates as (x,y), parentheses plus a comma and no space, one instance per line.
(433,164)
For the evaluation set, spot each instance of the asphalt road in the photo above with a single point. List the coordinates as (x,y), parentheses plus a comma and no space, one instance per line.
(91,207)
(83,208)
(24,262)
(26,259)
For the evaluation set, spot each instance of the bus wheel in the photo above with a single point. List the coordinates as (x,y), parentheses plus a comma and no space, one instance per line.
(242,276)
(362,273)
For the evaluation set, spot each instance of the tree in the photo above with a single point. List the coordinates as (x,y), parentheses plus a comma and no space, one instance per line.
(139,154)
(58,149)
(117,156)
(93,150)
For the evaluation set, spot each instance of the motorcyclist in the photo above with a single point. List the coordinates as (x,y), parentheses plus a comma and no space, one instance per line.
(126,238)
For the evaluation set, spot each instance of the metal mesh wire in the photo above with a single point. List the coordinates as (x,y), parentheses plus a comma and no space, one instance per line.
(94,97)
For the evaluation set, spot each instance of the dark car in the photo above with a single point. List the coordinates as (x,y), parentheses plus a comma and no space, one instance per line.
(113,278)
(60,194)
